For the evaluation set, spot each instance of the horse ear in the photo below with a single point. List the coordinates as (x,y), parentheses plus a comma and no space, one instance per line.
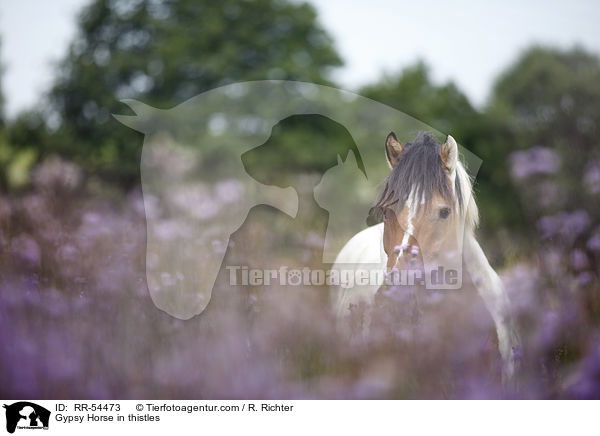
(449,155)
(393,149)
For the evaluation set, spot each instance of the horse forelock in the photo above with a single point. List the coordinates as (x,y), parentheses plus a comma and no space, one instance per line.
(420,175)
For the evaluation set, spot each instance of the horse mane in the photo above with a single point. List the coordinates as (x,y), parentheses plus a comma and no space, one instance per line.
(420,168)
(467,206)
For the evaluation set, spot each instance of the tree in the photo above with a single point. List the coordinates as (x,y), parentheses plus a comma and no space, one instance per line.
(166,51)
(549,102)
(551,99)
(443,107)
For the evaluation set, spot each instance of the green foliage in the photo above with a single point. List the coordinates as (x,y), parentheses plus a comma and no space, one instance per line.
(163,52)
(412,91)
(551,98)
(23,141)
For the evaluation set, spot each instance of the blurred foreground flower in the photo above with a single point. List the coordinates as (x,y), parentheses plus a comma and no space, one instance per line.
(534,161)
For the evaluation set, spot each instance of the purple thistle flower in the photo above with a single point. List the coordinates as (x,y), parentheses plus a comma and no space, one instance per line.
(534,161)
(585,278)
(591,179)
(574,224)
(594,242)
(567,225)
(579,260)
(548,225)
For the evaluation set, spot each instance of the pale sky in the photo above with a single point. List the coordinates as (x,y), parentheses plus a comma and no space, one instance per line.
(468,41)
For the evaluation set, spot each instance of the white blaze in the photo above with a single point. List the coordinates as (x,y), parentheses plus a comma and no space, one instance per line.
(412,206)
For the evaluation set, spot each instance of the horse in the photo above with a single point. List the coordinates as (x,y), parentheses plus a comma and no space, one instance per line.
(430,215)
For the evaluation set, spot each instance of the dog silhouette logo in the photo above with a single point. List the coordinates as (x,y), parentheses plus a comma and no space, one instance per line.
(26,415)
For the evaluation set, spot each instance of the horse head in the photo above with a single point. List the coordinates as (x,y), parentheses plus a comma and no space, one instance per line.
(427,204)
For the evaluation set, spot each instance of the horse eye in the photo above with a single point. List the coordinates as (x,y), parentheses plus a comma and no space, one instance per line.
(444,212)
